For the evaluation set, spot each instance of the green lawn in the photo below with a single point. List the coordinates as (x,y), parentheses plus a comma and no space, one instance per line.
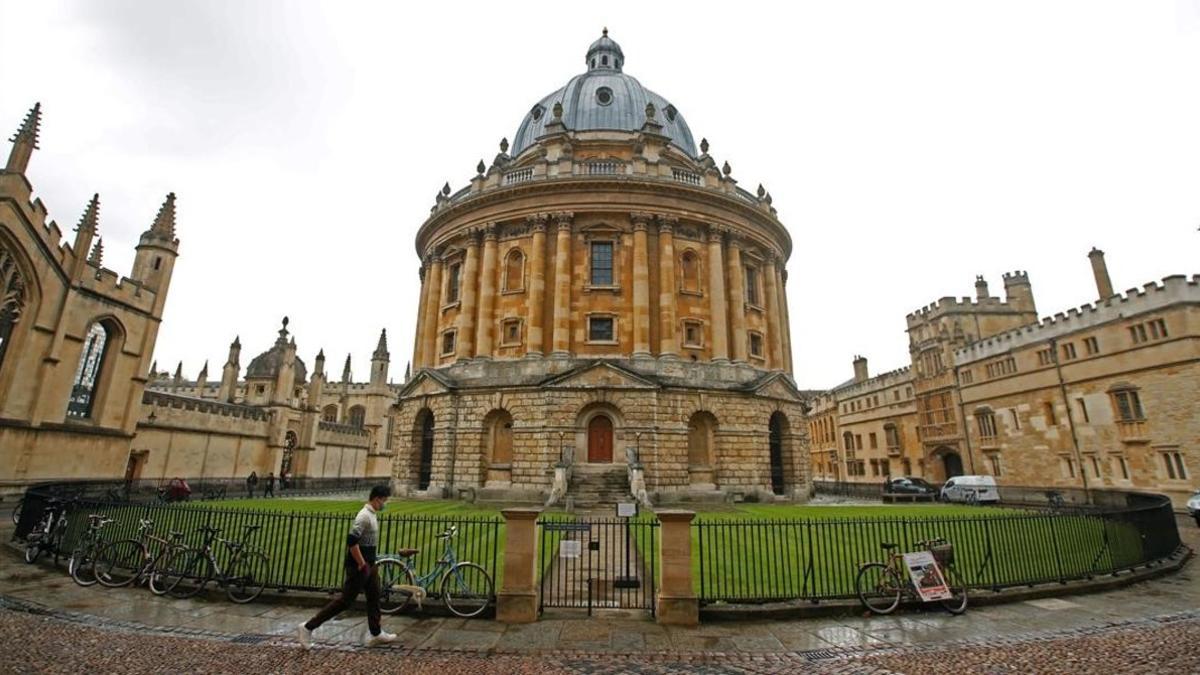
(768,552)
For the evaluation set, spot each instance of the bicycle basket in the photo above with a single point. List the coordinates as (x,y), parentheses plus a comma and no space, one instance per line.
(943,553)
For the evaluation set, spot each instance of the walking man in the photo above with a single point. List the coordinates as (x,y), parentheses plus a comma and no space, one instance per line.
(269,485)
(251,482)
(361,574)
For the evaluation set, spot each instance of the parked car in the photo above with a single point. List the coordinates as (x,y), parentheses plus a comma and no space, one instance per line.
(973,489)
(907,485)
(1193,506)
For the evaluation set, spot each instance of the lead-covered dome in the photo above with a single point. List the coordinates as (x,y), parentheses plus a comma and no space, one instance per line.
(604,98)
(267,364)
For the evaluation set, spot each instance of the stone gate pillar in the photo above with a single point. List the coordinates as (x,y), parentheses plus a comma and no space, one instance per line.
(676,603)
(517,601)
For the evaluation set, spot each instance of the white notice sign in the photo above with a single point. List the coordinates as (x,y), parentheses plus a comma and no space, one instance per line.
(626,509)
(926,576)
(569,549)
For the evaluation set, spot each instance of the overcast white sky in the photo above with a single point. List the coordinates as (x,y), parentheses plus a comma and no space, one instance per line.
(909,146)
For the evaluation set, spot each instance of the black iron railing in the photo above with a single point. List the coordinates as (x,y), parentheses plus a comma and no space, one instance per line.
(771,560)
(306,550)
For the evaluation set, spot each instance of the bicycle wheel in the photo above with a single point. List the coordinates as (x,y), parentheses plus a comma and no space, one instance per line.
(957,603)
(186,572)
(120,562)
(155,578)
(393,573)
(82,566)
(16,513)
(248,577)
(878,588)
(33,549)
(467,589)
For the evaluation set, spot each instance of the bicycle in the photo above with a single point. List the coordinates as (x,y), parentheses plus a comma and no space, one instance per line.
(81,565)
(466,588)
(189,570)
(16,512)
(47,536)
(128,561)
(881,585)
(1055,500)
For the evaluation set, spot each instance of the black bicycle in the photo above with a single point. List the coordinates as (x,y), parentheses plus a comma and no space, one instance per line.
(81,566)
(123,562)
(243,577)
(47,536)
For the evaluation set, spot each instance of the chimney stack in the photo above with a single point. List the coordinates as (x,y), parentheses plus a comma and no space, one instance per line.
(981,289)
(1100,271)
(860,369)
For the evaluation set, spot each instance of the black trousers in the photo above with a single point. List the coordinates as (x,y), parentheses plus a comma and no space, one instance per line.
(356,582)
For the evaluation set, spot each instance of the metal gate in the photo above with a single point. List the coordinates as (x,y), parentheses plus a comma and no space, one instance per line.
(598,563)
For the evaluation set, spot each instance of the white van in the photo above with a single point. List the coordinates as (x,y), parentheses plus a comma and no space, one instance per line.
(981,489)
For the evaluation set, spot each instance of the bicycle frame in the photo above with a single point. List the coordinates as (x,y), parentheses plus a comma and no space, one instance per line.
(429,580)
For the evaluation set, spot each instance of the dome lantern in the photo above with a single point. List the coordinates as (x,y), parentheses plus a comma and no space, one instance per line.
(605,54)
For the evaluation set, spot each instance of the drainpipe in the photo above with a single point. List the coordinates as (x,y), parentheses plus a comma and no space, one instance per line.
(1062,388)
(962,414)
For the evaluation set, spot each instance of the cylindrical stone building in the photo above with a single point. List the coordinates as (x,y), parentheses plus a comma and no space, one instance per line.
(603,297)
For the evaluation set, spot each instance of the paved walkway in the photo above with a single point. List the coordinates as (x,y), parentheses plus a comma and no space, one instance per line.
(1149,627)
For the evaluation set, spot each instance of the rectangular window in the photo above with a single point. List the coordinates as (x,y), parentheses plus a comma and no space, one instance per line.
(1045,357)
(602,263)
(1051,417)
(1129,405)
(874,441)
(858,441)
(1173,461)
(752,296)
(1092,345)
(996,468)
(966,377)
(693,335)
(1159,327)
(1083,411)
(1138,333)
(1095,466)
(756,345)
(448,343)
(1068,467)
(987,424)
(601,329)
(1016,420)
(1170,465)
(452,283)
(1068,351)
(510,332)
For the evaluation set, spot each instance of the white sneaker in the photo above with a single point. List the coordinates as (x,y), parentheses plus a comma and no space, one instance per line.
(383,638)
(304,636)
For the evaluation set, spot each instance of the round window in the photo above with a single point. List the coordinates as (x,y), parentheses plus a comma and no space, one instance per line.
(537,112)
(604,96)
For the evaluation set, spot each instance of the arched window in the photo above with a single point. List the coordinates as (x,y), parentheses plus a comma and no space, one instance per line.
(87,373)
(330,413)
(12,298)
(986,420)
(514,271)
(358,416)
(689,271)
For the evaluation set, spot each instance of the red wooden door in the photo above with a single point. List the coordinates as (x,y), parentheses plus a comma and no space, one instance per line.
(600,439)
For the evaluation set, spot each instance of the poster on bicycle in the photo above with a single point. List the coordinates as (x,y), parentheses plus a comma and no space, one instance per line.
(926,576)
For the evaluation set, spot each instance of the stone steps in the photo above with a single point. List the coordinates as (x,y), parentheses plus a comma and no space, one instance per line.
(598,485)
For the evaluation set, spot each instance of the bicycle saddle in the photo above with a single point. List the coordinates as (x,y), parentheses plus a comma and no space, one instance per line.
(888,547)
(407,552)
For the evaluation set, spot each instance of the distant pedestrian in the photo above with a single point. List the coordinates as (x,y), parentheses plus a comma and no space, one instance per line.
(269,485)
(361,574)
(283,480)
(251,482)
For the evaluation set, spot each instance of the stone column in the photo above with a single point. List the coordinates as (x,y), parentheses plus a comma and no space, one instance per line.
(641,286)
(485,328)
(467,288)
(774,344)
(668,342)
(517,600)
(716,296)
(535,309)
(737,300)
(676,603)
(418,356)
(785,317)
(562,285)
(432,309)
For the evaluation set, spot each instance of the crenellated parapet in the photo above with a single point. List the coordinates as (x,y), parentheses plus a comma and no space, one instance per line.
(1174,290)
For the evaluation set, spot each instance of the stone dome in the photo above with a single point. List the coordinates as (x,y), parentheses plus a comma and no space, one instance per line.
(266,365)
(604,98)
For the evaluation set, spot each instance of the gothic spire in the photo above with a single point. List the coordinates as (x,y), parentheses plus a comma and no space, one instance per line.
(90,220)
(346,370)
(204,370)
(381,350)
(164,222)
(97,256)
(25,141)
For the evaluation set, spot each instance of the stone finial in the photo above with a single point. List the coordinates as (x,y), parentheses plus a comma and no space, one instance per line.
(762,192)
(726,169)
(204,370)
(164,222)
(504,144)
(704,145)
(237,342)
(446,189)
(154,370)
(179,372)
(604,32)
(381,349)
(651,111)
(346,370)
(91,216)
(407,370)
(480,167)
(557,110)
(28,131)
(97,257)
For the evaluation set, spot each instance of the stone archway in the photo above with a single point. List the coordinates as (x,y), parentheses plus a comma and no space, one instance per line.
(422,459)
(598,429)
(944,463)
(702,429)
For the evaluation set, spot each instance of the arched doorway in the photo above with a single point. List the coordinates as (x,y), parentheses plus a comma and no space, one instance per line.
(778,427)
(701,428)
(600,440)
(952,464)
(498,446)
(424,467)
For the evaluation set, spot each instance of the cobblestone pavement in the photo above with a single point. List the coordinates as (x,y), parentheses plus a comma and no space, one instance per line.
(48,624)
